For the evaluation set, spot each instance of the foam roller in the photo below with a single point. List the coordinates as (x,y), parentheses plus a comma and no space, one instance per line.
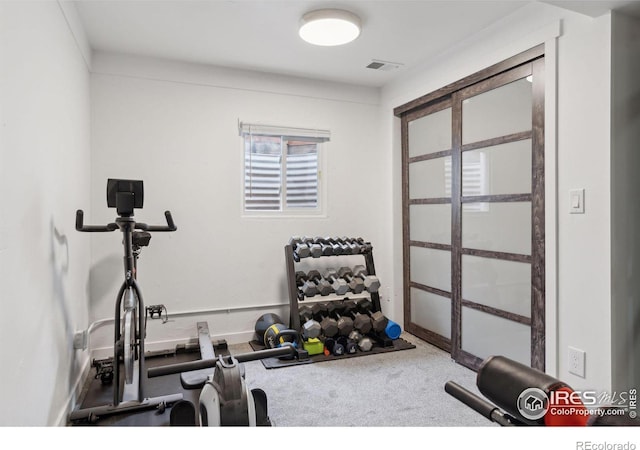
(392,330)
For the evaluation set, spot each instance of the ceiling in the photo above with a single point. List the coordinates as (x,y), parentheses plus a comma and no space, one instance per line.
(262,35)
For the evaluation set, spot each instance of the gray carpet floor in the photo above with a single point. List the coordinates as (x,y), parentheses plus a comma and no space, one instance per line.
(397,389)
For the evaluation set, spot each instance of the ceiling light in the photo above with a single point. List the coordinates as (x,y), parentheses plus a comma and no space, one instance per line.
(329,27)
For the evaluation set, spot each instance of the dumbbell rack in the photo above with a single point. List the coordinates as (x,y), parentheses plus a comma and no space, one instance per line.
(294,316)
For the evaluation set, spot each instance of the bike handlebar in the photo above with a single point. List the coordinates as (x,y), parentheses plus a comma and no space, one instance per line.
(169,227)
(80,226)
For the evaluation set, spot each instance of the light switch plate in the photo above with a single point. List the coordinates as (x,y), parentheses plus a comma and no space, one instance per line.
(576,201)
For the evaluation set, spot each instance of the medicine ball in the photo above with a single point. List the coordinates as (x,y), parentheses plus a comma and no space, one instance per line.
(264,322)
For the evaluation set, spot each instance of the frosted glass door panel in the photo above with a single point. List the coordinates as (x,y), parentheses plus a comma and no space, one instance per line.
(500,169)
(430,223)
(431,311)
(430,178)
(498,112)
(504,285)
(500,227)
(484,335)
(431,267)
(430,134)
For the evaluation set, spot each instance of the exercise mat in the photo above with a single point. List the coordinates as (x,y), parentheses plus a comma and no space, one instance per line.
(275,363)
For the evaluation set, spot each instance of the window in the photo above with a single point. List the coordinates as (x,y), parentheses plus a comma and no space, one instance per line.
(282,169)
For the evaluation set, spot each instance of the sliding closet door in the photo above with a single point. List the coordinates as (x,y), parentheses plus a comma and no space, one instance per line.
(427,244)
(473,191)
(500,233)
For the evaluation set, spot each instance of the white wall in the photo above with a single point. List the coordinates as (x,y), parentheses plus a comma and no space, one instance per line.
(175,126)
(625,209)
(44,176)
(578,253)
(584,249)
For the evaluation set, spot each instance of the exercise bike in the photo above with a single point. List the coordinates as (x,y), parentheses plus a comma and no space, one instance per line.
(130,318)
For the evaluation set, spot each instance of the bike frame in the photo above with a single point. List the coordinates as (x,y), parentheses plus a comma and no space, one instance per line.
(125,195)
(135,391)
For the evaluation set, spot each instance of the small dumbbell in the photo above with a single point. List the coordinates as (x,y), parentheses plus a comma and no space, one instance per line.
(299,248)
(378,320)
(327,249)
(344,248)
(359,244)
(333,347)
(371,282)
(349,245)
(364,343)
(305,284)
(335,246)
(364,246)
(314,249)
(310,327)
(361,322)
(328,324)
(355,336)
(350,346)
(338,284)
(323,286)
(356,284)
(345,323)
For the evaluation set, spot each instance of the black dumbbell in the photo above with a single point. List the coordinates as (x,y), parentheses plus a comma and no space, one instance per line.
(356,284)
(378,320)
(323,286)
(345,323)
(333,347)
(350,346)
(310,327)
(299,248)
(338,284)
(371,282)
(328,324)
(305,285)
(361,322)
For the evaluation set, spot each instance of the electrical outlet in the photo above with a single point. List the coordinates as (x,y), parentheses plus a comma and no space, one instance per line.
(577,362)
(80,340)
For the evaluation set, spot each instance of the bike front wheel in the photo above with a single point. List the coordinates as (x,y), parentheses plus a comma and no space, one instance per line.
(129,344)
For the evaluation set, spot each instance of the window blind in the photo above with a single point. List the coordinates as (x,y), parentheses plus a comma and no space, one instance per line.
(310,134)
(281,167)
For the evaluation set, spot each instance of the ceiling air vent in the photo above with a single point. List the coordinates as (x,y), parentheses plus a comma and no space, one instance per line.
(377,64)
